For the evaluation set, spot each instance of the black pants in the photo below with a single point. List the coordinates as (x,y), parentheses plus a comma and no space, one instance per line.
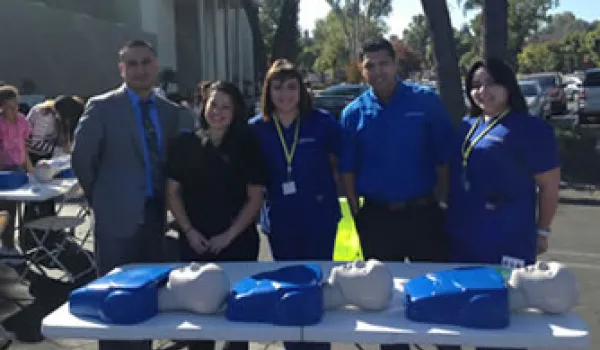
(414,232)
(145,246)
(244,248)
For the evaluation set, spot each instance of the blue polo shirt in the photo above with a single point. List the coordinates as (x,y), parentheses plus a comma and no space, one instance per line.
(135,103)
(315,203)
(396,146)
(495,215)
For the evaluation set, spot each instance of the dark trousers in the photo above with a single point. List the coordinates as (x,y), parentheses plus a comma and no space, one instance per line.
(244,248)
(290,246)
(145,246)
(413,232)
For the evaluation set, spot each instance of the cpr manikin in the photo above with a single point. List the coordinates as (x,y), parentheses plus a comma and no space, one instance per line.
(195,288)
(368,286)
(549,287)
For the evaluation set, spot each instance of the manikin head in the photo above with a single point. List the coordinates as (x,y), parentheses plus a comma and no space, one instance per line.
(367,285)
(195,288)
(548,286)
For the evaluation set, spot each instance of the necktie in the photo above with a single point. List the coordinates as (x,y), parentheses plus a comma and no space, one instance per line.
(151,139)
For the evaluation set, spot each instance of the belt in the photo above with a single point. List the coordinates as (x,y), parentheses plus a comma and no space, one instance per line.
(417,202)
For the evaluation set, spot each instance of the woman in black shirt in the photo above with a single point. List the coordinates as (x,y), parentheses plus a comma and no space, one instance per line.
(215,182)
(215,186)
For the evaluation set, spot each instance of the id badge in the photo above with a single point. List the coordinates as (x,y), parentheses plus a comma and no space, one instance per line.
(289,188)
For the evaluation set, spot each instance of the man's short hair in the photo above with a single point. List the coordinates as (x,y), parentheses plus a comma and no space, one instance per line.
(375,45)
(8,92)
(137,43)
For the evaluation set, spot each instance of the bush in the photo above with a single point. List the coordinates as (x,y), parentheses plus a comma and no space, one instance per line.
(580,161)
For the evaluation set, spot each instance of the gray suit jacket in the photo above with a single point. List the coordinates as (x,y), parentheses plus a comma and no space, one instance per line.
(108,158)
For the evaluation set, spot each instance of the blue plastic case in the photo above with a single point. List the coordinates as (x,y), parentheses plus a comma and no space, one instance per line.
(474,297)
(126,297)
(11,180)
(290,296)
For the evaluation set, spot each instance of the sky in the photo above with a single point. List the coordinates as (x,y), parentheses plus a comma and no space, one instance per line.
(404,10)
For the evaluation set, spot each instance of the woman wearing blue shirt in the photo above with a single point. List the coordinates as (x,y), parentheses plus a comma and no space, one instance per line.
(505,176)
(299,144)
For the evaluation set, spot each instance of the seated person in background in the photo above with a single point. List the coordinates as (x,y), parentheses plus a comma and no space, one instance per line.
(14,130)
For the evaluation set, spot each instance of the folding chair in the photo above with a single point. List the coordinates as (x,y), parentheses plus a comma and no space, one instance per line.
(49,247)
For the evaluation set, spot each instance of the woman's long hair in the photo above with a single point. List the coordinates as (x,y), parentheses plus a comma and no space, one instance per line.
(503,75)
(69,110)
(282,70)
(240,110)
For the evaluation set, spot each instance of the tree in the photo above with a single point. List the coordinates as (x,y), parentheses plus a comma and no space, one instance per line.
(354,15)
(260,55)
(330,43)
(524,19)
(442,33)
(269,14)
(495,21)
(417,37)
(285,42)
(408,61)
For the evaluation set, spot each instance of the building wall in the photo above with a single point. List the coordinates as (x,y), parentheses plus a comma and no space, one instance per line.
(199,39)
(62,52)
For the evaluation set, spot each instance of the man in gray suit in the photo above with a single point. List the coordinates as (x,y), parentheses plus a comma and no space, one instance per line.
(119,156)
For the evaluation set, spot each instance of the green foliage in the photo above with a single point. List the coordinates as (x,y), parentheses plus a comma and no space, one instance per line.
(331,45)
(287,35)
(575,51)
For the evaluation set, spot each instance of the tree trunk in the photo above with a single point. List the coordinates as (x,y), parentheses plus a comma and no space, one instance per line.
(285,43)
(260,54)
(495,29)
(448,72)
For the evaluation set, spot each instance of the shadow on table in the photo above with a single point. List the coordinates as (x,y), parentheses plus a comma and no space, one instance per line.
(50,293)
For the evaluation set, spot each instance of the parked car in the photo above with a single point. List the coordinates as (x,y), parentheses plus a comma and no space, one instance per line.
(335,98)
(554,86)
(537,100)
(572,87)
(589,98)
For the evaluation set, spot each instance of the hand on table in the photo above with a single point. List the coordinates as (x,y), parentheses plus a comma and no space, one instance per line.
(197,241)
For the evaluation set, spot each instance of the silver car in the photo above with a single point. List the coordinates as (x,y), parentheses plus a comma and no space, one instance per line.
(589,98)
(536,98)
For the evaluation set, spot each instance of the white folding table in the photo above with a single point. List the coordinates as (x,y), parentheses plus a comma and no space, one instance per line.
(527,330)
(39,192)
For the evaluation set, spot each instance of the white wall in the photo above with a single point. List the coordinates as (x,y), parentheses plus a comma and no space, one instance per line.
(158,18)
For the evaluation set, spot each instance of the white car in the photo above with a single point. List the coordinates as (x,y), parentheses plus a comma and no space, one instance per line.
(537,100)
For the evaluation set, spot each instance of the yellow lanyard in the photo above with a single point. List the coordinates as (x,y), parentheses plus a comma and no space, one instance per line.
(467,146)
(289,154)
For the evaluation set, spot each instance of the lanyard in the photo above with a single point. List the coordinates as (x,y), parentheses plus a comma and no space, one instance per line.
(289,154)
(467,146)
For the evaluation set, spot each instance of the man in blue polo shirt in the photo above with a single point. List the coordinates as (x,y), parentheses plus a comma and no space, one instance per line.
(401,135)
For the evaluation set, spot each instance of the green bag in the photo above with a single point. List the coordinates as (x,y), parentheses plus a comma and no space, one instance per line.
(347,243)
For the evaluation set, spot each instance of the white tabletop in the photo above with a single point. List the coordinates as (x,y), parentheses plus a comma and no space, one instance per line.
(527,330)
(38,192)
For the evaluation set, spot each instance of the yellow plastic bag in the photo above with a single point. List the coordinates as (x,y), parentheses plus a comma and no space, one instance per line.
(347,243)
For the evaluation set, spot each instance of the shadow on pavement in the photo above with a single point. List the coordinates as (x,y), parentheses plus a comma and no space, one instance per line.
(50,293)
(591,202)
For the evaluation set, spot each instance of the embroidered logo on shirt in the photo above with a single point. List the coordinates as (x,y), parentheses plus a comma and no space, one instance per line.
(413,114)
(494,138)
(306,140)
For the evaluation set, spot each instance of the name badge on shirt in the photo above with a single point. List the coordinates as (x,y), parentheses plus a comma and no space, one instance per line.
(289,188)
